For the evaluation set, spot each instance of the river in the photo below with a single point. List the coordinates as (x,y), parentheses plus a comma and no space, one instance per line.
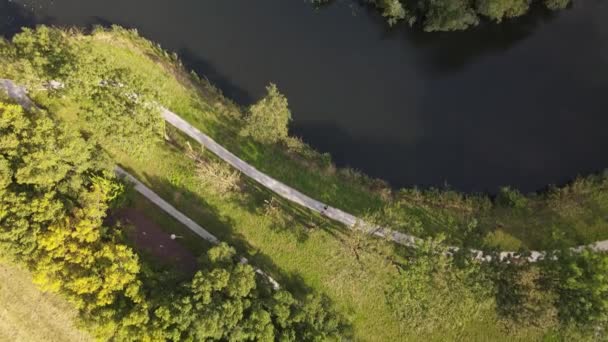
(523,103)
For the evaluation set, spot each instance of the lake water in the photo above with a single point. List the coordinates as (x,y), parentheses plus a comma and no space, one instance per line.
(522,103)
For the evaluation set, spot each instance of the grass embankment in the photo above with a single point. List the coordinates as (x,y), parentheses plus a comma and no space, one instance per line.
(29,315)
(303,251)
(578,211)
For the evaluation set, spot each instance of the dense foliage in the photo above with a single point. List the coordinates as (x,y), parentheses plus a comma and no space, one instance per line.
(43,173)
(581,283)
(439,290)
(451,15)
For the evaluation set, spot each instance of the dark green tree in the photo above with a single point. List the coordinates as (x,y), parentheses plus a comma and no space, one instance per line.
(449,15)
(225,301)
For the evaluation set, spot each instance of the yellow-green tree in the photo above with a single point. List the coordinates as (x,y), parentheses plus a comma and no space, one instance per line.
(43,167)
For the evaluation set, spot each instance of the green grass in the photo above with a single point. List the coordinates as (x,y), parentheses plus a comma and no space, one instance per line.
(306,252)
(29,315)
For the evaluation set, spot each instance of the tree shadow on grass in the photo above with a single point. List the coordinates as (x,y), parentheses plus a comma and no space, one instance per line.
(199,210)
(255,198)
(294,219)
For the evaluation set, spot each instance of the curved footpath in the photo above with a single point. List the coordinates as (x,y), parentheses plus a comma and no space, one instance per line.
(20,94)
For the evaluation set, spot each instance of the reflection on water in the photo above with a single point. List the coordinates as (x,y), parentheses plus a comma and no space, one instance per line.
(520,103)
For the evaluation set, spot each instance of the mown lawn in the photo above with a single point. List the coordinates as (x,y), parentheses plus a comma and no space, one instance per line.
(29,315)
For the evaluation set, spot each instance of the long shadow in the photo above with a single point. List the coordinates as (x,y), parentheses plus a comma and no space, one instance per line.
(222,227)
(204,68)
(453,51)
(163,279)
(446,52)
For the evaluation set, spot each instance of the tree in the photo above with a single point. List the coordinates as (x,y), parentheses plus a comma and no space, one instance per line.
(522,299)
(449,15)
(47,50)
(497,10)
(268,119)
(43,169)
(225,301)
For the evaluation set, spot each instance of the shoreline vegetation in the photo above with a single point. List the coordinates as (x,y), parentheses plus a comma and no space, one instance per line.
(453,15)
(341,283)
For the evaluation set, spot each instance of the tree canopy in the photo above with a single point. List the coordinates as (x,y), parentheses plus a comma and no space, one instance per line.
(44,169)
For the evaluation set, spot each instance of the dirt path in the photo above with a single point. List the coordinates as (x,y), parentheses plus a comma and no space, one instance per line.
(179,216)
(149,236)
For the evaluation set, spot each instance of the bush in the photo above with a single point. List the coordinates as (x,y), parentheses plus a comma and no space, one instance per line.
(267,120)
(522,299)
(511,198)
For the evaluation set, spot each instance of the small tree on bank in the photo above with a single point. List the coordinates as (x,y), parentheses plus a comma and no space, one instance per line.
(267,119)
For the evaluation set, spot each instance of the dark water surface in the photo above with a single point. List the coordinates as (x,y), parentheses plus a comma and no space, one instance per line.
(522,103)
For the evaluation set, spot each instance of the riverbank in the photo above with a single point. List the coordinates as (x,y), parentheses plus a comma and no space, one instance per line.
(576,211)
(302,250)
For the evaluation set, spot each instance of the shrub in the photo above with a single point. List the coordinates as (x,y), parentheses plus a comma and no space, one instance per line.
(267,120)
(511,198)
(449,15)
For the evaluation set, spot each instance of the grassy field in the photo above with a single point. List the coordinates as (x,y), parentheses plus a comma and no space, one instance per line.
(29,315)
(303,251)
